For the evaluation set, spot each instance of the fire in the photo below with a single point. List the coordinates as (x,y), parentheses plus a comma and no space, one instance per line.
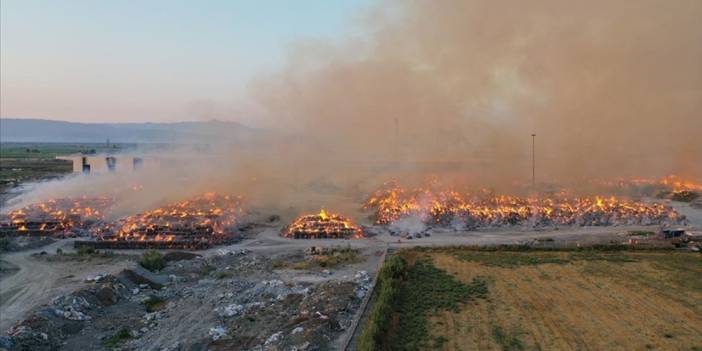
(670,183)
(323,215)
(322,226)
(678,184)
(669,187)
(448,207)
(55,216)
(208,218)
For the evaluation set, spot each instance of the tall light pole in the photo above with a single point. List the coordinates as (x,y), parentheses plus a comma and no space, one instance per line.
(533,160)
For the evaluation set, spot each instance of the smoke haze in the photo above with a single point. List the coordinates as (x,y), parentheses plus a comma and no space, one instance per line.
(610,88)
(455,89)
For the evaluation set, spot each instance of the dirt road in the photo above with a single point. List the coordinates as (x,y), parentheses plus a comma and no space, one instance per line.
(37,281)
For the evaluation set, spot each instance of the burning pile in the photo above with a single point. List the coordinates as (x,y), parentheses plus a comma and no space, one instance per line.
(197,223)
(451,208)
(322,226)
(680,189)
(55,217)
(679,184)
(669,187)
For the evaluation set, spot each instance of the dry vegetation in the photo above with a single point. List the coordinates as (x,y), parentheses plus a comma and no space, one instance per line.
(576,301)
(548,300)
(334,257)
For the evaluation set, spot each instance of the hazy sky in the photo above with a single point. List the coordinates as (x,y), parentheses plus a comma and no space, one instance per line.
(97,61)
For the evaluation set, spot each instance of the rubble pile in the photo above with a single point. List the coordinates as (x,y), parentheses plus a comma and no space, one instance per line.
(66,316)
(231,300)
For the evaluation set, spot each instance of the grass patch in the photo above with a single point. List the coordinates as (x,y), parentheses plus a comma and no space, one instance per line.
(509,259)
(154,303)
(683,269)
(614,257)
(303,265)
(152,260)
(373,336)
(439,342)
(643,233)
(278,264)
(86,250)
(507,341)
(336,257)
(427,291)
(119,338)
(333,257)
(4,244)
(221,274)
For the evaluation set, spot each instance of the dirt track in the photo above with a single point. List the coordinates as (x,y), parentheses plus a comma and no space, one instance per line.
(37,281)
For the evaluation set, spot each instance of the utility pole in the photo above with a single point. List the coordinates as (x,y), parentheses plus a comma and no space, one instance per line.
(533,160)
(397,141)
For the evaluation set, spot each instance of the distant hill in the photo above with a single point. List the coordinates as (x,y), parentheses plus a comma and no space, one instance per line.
(40,130)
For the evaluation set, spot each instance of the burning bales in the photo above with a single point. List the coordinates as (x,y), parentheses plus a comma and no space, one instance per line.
(198,223)
(680,190)
(55,217)
(322,226)
(669,187)
(451,208)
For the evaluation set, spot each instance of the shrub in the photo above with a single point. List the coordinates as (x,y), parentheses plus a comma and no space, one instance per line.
(278,264)
(86,250)
(4,244)
(152,260)
(154,303)
(121,336)
(221,274)
(387,289)
(507,342)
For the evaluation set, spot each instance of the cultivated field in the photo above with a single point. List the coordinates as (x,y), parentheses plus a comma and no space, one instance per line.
(565,300)
(27,162)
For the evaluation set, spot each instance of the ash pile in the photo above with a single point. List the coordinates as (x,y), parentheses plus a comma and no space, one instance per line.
(323,225)
(59,218)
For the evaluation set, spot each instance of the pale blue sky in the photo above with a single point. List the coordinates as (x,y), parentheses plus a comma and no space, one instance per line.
(114,60)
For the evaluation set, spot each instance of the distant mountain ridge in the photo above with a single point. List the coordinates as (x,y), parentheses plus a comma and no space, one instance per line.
(42,130)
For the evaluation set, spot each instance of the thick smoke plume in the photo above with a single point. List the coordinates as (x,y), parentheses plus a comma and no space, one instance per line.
(455,89)
(611,88)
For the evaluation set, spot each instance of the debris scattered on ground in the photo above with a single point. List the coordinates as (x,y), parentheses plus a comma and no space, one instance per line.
(192,303)
(217,333)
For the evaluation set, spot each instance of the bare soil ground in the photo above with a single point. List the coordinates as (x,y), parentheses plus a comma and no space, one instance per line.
(619,301)
(31,281)
(228,298)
